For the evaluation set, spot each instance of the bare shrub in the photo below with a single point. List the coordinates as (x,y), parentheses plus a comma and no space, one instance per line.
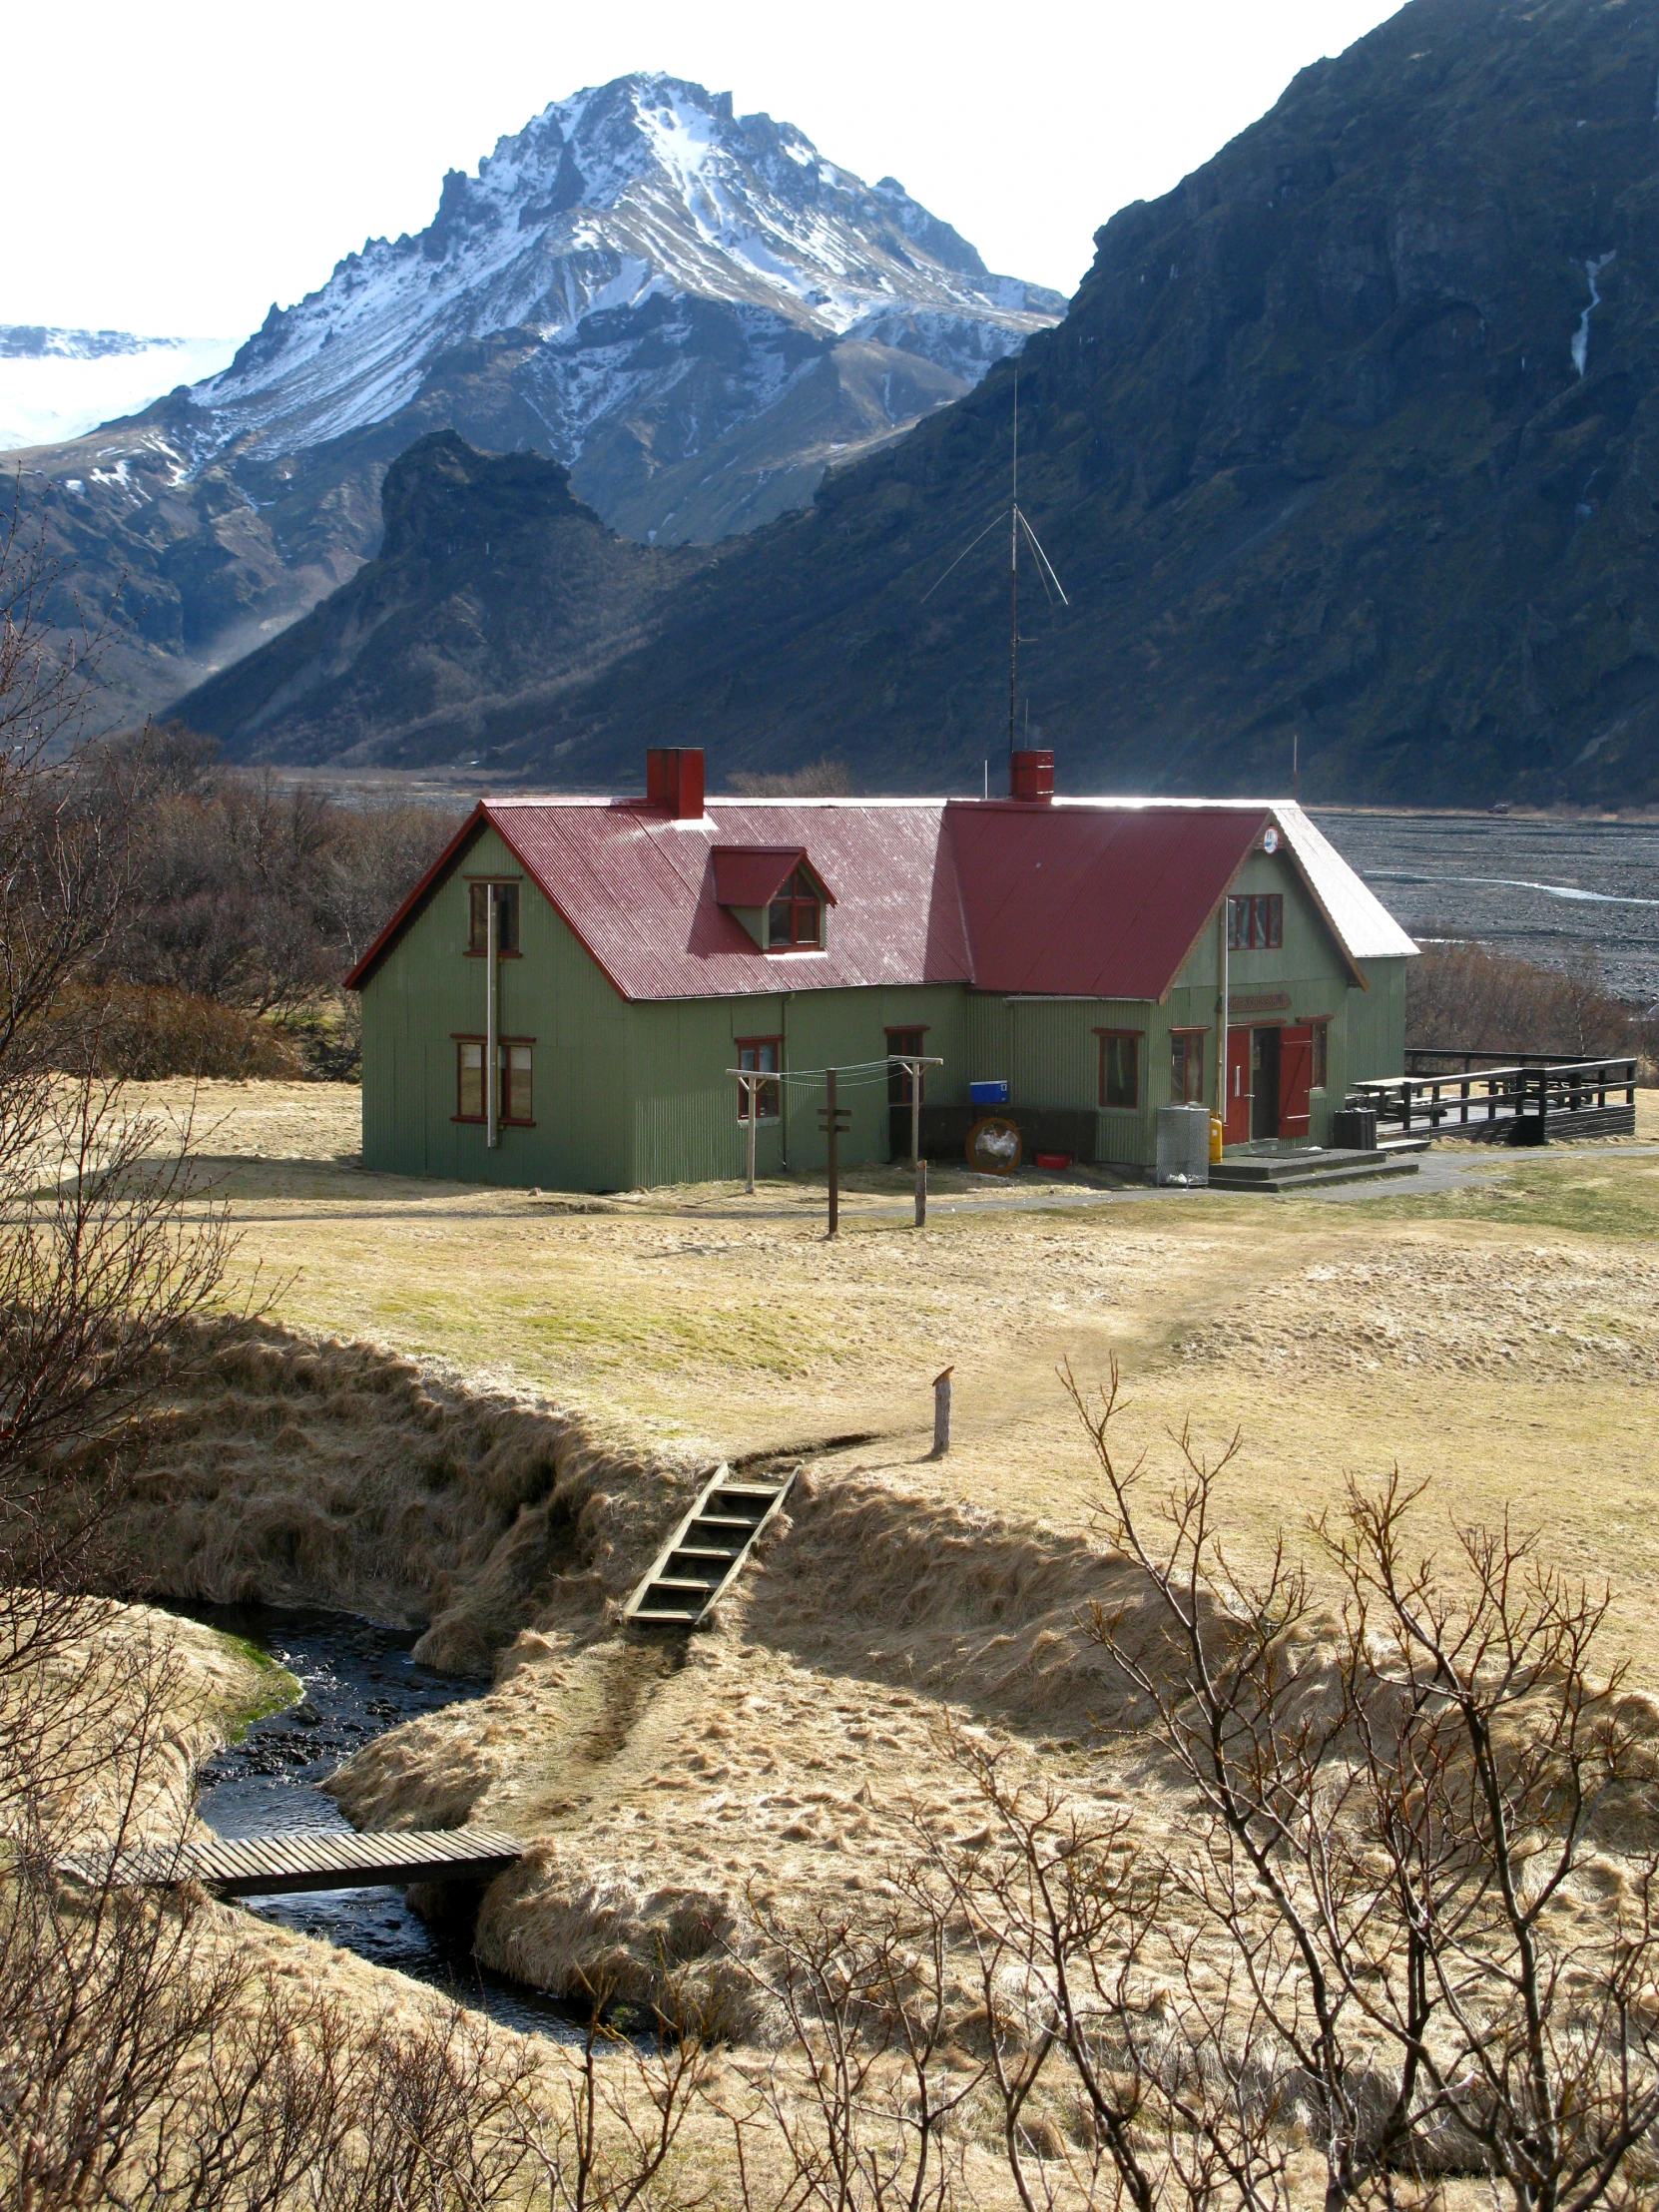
(98,1266)
(821,778)
(1058,1908)
(1373,1914)
(253,892)
(134,1034)
(1470,999)
(604,2130)
(859,2105)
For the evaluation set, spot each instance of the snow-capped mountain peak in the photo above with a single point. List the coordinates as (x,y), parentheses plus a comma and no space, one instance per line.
(695,312)
(646,189)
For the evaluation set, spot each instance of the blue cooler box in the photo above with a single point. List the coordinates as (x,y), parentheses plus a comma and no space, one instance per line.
(989,1094)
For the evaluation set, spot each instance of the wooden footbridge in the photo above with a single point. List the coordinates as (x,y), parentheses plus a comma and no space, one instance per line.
(308,1859)
(705,1554)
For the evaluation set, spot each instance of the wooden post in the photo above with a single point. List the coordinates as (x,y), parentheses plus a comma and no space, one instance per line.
(912,1064)
(941,1413)
(834,1120)
(751,1092)
(493,1136)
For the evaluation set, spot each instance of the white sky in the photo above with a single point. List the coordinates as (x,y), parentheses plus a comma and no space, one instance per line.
(183,165)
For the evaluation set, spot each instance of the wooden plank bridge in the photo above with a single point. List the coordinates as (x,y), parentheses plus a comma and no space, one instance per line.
(705,1552)
(308,1859)
(1530,1100)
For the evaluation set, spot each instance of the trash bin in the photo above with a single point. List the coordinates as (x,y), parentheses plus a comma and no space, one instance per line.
(1353,1129)
(1184,1146)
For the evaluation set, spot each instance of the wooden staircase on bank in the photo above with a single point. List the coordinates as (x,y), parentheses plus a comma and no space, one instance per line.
(705,1554)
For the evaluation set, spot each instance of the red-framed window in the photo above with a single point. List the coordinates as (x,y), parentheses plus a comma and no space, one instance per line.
(1186,1066)
(1120,1066)
(515,1064)
(506,918)
(795,916)
(765,1055)
(1255,924)
(518,1074)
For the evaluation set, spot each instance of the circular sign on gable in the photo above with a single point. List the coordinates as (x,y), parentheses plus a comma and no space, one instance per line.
(1269,838)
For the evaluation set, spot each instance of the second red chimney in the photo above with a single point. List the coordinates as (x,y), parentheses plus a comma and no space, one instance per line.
(674,779)
(1032,775)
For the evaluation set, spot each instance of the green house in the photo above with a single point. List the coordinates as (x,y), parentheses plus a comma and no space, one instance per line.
(564,998)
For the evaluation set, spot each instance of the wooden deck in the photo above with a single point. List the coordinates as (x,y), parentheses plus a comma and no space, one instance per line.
(1529,1101)
(705,1552)
(311,1859)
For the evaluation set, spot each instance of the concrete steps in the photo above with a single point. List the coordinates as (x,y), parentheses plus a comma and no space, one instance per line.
(1279,1171)
(705,1552)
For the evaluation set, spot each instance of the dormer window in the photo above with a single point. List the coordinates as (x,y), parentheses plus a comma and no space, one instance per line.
(774,892)
(795,916)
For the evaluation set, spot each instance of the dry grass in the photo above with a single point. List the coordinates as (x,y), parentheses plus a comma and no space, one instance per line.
(288,1469)
(1498,1341)
(550,1374)
(119,1711)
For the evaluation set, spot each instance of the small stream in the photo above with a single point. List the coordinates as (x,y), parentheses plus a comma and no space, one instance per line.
(358,1679)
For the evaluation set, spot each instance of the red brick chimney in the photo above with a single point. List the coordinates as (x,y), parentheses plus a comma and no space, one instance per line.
(674,779)
(1032,775)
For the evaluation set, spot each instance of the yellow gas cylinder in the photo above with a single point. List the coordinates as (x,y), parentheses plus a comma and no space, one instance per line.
(1216,1134)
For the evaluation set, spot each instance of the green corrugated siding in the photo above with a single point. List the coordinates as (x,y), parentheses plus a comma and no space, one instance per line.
(1048,1050)
(685,1104)
(1367,1035)
(426,991)
(1376,1023)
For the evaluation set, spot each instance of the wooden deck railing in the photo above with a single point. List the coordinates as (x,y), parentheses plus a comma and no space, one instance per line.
(1418,1057)
(1529,1087)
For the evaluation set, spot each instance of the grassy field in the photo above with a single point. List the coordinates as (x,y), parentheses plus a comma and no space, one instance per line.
(1499,1340)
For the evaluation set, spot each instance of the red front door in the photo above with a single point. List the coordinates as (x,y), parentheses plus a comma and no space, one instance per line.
(1237,1117)
(1296,1076)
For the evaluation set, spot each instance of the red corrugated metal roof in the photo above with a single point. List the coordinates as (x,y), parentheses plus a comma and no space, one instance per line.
(1094,898)
(638,888)
(1092,901)
(751,875)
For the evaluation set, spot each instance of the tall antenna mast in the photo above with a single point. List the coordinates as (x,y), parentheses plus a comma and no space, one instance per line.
(1052,588)
(1013,580)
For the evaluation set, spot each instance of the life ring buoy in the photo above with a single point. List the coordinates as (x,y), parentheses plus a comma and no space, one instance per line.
(994,1146)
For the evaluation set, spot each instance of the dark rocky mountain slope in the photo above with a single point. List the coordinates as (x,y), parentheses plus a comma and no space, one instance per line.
(1354,434)
(493,587)
(691,309)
